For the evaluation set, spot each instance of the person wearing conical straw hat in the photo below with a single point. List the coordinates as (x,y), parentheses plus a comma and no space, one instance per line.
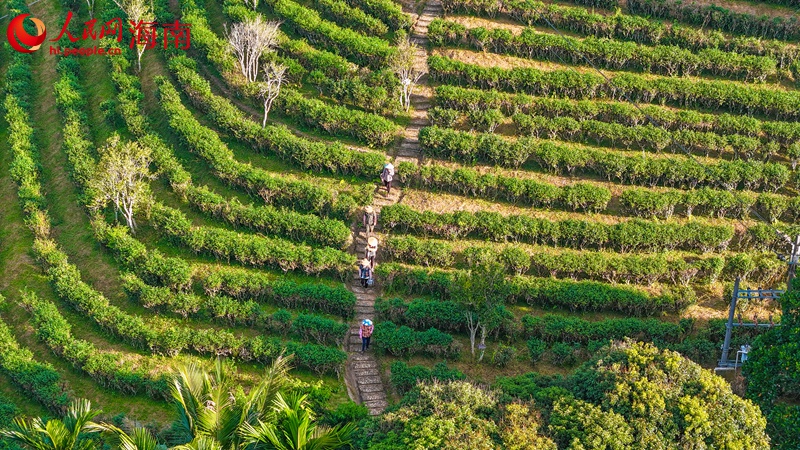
(370,219)
(365,332)
(386,176)
(365,272)
(371,250)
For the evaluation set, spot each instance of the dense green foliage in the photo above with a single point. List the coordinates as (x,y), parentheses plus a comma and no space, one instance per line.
(712,94)
(629,396)
(773,377)
(572,295)
(667,60)
(248,285)
(676,171)
(280,190)
(596,265)
(363,50)
(632,235)
(107,368)
(625,27)
(41,381)
(462,99)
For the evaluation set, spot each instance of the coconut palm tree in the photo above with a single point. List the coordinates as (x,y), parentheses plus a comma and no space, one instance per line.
(291,426)
(209,406)
(213,414)
(138,439)
(56,434)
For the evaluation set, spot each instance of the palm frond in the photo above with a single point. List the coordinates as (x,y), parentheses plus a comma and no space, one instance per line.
(200,443)
(139,439)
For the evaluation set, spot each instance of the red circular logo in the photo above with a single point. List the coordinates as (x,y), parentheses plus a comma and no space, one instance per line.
(19,38)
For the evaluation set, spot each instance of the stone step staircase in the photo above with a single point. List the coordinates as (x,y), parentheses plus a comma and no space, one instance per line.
(362,371)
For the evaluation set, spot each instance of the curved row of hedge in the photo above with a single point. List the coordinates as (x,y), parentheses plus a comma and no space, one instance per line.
(331,64)
(626,27)
(336,120)
(557,328)
(160,335)
(386,10)
(249,249)
(710,94)
(374,91)
(666,60)
(108,369)
(244,285)
(710,202)
(465,181)
(229,311)
(567,294)
(38,380)
(165,337)
(648,137)
(403,342)
(717,17)
(580,196)
(463,99)
(448,315)
(348,17)
(642,269)
(633,235)
(650,171)
(263,218)
(295,194)
(320,156)
(363,50)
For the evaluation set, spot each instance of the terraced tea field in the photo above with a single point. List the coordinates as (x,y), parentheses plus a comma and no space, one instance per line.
(567,174)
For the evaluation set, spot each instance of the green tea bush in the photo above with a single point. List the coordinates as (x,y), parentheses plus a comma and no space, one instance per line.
(735,97)
(244,284)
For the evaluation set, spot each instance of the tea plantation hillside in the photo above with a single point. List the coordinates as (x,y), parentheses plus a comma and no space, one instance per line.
(570,178)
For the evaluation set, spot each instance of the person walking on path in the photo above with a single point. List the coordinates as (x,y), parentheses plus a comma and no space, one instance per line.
(371,250)
(365,332)
(370,220)
(386,176)
(365,272)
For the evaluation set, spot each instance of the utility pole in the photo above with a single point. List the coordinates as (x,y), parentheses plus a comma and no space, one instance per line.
(750,295)
(726,345)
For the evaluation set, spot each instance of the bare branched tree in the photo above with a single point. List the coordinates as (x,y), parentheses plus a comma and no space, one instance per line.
(268,90)
(121,178)
(403,65)
(140,13)
(90,4)
(249,41)
(252,3)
